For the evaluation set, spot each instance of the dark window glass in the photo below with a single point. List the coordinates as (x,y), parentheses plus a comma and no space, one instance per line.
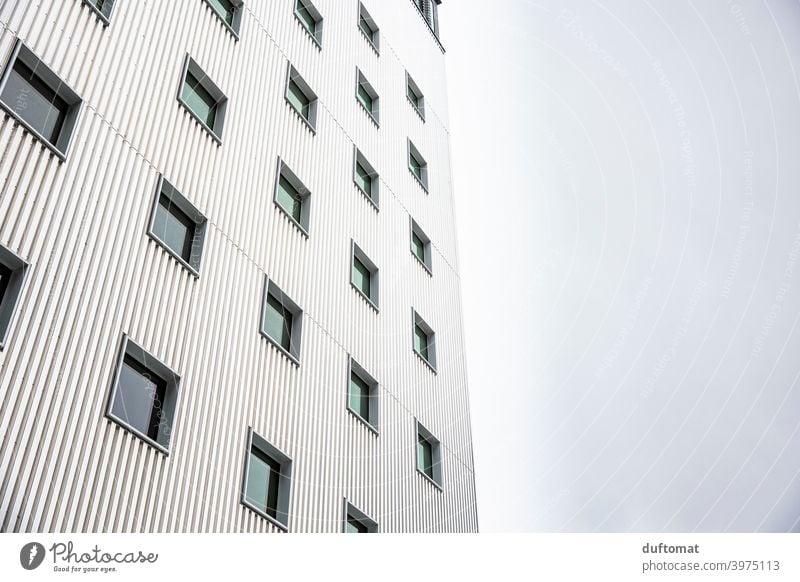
(5,277)
(363,179)
(200,101)
(425,456)
(416,166)
(362,277)
(35,102)
(365,98)
(306,18)
(418,246)
(174,228)
(139,400)
(289,198)
(421,341)
(225,9)
(298,99)
(413,96)
(362,21)
(355,526)
(278,322)
(263,482)
(359,396)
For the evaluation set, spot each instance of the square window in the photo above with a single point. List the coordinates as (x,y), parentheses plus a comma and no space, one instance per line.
(362,395)
(415,96)
(302,99)
(267,480)
(202,99)
(281,321)
(13,271)
(230,13)
(366,178)
(143,395)
(367,97)
(178,226)
(369,28)
(292,197)
(421,247)
(417,165)
(39,100)
(356,521)
(364,275)
(310,18)
(424,340)
(102,8)
(429,456)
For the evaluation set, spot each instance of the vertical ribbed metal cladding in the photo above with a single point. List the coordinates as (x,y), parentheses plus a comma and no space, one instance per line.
(96,276)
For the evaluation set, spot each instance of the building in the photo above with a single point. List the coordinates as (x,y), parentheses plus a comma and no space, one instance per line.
(230,291)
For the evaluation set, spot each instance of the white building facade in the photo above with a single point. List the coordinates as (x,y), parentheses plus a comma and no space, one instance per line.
(229,283)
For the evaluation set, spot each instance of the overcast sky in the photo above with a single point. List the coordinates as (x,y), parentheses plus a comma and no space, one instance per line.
(627,177)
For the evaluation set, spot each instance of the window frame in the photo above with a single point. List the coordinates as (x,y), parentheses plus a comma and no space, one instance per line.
(373,299)
(9,301)
(172,380)
(292,75)
(221,100)
(373,422)
(284,484)
(165,188)
(46,76)
(296,333)
(423,179)
(415,229)
(414,88)
(437,480)
(103,14)
(374,195)
(357,515)
(374,39)
(283,170)
(316,36)
(235,26)
(363,83)
(418,321)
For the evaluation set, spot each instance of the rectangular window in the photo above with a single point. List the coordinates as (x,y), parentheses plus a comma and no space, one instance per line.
(102,8)
(429,456)
(367,97)
(281,321)
(364,275)
(267,480)
(178,226)
(366,178)
(421,246)
(292,197)
(356,521)
(417,165)
(362,395)
(369,28)
(229,12)
(424,340)
(310,18)
(202,99)
(302,99)
(143,396)
(38,99)
(415,96)
(12,277)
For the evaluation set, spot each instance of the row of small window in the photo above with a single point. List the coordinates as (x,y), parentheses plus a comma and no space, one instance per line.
(143,400)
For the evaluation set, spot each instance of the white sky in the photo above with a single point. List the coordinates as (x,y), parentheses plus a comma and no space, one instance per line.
(628,200)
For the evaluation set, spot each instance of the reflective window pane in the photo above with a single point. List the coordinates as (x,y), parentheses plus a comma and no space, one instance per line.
(263,482)
(298,99)
(359,396)
(5,277)
(174,228)
(139,400)
(365,98)
(200,101)
(421,341)
(362,22)
(355,526)
(289,199)
(418,246)
(35,102)
(306,18)
(425,456)
(361,277)
(278,322)
(363,179)
(225,9)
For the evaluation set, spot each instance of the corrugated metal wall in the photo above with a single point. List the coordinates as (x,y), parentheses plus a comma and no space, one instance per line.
(95,274)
